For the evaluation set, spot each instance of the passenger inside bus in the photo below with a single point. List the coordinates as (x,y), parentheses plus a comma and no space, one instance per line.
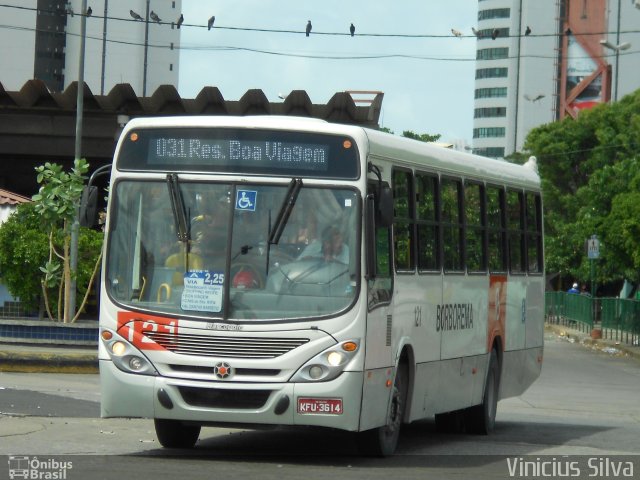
(330,247)
(210,235)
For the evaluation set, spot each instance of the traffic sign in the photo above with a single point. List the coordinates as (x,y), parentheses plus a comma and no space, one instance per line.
(593,247)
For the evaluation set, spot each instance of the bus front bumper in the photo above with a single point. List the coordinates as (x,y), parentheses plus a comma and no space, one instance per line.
(333,404)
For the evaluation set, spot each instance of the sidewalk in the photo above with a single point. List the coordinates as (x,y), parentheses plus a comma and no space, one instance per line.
(48,359)
(609,346)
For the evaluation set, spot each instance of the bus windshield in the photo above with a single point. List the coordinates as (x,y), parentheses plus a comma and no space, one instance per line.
(203,250)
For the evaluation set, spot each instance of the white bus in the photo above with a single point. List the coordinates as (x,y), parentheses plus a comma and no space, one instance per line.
(289,271)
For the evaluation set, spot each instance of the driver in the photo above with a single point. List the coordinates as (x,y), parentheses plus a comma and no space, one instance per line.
(331,247)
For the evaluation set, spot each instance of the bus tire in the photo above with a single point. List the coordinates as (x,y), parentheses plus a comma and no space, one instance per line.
(382,441)
(175,434)
(481,419)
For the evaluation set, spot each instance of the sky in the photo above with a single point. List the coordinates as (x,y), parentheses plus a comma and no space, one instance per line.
(430,94)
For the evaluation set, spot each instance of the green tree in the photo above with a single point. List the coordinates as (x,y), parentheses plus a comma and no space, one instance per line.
(24,248)
(56,202)
(517,157)
(590,175)
(423,137)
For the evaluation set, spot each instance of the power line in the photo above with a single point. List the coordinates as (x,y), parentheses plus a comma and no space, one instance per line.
(300,32)
(229,48)
(631,144)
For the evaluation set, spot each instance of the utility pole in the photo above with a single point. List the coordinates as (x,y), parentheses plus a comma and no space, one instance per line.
(75,227)
(146,50)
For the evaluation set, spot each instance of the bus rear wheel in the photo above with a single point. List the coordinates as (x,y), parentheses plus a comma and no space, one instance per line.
(382,441)
(481,419)
(175,434)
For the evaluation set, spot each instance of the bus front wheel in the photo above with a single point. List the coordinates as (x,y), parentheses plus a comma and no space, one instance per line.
(175,434)
(382,441)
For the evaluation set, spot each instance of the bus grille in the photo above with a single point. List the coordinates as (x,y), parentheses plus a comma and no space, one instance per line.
(226,347)
(219,398)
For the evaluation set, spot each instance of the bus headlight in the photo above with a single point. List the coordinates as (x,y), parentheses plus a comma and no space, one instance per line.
(124,355)
(118,348)
(328,364)
(335,358)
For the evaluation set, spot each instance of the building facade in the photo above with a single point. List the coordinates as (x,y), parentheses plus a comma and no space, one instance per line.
(44,43)
(539,61)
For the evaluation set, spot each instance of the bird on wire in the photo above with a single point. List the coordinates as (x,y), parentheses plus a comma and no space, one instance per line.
(180,20)
(210,22)
(154,16)
(527,31)
(495,34)
(475,32)
(540,96)
(352,29)
(308,29)
(89,12)
(134,15)
(456,33)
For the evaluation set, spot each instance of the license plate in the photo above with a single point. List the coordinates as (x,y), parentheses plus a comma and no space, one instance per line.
(320,406)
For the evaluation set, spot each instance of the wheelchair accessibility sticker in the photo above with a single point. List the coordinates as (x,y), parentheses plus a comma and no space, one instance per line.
(246,200)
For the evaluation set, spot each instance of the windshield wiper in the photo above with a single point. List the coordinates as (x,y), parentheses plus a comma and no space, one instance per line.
(285,210)
(178,207)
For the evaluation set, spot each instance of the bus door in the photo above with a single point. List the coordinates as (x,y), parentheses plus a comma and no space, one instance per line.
(379,359)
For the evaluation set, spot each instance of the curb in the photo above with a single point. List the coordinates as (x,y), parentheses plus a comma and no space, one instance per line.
(599,344)
(37,362)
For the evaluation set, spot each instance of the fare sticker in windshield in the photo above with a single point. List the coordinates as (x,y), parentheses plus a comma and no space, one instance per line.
(202,291)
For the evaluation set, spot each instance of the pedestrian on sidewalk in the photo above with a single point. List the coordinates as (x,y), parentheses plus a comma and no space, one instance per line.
(574,289)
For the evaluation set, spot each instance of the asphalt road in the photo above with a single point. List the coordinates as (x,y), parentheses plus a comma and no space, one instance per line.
(585,406)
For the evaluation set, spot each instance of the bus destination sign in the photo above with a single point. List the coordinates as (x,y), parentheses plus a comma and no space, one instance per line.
(239,151)
(270,154)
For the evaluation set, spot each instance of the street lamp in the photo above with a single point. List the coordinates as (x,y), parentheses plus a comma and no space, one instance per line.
(616,48)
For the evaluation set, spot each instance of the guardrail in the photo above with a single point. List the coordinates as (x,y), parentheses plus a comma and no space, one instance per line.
(575,311)
(621,320)
(618,318)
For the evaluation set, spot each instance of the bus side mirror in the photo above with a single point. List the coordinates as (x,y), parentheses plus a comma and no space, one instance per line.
(384,211)
(89,200)
(89,207)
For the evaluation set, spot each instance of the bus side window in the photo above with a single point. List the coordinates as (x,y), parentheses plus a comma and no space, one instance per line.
(496,229)
(403,225)
(515,231)
(427,222)
(451,221)
(381,286)
(475,227)
(534,233)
